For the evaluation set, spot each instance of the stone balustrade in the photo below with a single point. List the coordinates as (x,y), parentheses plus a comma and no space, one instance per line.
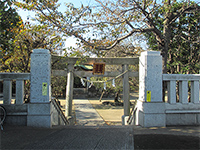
(7,79)
(178,84)
(40,110)
(182,106)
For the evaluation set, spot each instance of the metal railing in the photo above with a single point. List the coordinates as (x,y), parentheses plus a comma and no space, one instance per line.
(131,115)
(59,110)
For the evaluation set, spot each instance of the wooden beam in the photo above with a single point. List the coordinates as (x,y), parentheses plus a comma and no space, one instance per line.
(59,72)
(126,92)
(108,61)
(89,73)
(69,93)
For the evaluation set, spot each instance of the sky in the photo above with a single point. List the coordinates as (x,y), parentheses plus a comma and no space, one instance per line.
(77,3)
(70,41)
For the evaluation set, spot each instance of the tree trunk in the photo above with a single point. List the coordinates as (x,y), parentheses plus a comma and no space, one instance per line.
(166,41)
(166,35)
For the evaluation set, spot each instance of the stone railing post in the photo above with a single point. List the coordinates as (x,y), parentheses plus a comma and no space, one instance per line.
(183,91)
(150,107)
(171,87)
(19,91)
(39,109)
(7,91)
(195,90)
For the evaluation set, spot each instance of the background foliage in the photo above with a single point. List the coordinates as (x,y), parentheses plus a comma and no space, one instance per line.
(105,28)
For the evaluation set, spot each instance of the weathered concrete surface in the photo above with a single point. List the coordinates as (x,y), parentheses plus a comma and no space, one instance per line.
(39,108)
(150,91)
(105,138)
(67,138)
(95,136)
(112,115)
(86,115)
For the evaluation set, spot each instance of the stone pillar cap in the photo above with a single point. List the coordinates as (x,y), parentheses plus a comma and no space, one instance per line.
(41,51)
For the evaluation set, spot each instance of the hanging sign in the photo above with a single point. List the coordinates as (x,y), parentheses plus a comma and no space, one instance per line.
(98,68)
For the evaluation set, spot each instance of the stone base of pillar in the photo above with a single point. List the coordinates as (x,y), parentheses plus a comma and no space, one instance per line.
(124,120)
(150,114)
(39,115)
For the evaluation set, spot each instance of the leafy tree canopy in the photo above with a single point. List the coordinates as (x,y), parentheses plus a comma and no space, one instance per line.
(9,19)
(103,26)
(29,37)
(183,53)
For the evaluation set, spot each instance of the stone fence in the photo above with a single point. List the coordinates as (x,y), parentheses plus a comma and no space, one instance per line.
(181,107)
(41,111)
(182,102)
(17,112)
(7,79)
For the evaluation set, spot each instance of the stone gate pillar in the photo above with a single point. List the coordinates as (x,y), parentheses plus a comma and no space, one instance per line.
(150,107)
(39,108)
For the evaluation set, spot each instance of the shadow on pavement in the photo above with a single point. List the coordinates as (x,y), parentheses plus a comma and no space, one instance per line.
(103,137)
(160,141)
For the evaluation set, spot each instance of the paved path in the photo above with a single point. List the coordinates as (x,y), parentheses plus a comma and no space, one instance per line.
(86,115)
(91,133)
(70,138)
(99,138)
